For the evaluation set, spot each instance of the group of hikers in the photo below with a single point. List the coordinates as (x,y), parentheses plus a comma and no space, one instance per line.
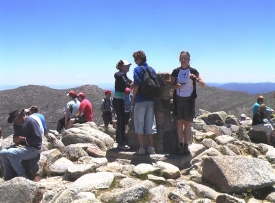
(262,118)
(29,126)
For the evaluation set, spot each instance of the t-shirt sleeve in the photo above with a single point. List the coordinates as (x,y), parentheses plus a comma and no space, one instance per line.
(196,72)
(174,73)
(137,76)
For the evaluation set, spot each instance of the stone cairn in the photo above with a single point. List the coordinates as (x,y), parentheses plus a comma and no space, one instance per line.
(165,140)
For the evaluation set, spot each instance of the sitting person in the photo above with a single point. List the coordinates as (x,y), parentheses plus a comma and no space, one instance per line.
(33,110)
(85,111)
(70,111)
(260,123)
(106,107)
(27,137)
(269,111)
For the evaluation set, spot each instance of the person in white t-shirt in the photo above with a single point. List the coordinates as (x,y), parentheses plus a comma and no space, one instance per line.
(183,81)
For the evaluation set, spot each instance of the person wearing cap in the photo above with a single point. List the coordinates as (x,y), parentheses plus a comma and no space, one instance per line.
(70,111)
(121,82)
(33,111)
(260,123)
(106,107)
(269,111)
(84,113)
(27,137)
(128,106)
(143,107)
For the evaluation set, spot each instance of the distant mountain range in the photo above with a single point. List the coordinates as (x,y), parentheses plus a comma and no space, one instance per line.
(52,101)
(251,88)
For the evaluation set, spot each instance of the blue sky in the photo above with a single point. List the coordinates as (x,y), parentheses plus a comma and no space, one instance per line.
(68,42)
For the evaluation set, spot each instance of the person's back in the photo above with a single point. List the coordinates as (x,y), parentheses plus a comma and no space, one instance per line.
(87,109)
(43,121)
(73,105)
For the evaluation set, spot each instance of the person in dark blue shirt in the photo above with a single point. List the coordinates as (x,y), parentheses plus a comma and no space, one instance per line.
(27,137)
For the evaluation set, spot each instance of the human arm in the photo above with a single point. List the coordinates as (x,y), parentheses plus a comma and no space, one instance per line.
(18,139)
(67,117)
(135,89)
(198,79)
(173,83)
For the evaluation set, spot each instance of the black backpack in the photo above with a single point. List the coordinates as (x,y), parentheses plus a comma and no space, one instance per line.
(149,87)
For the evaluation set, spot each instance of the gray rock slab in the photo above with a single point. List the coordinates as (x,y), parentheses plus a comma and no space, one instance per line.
(237,173)
(133,194)
(60,166)
(19,190)
(78,170)
(92,181)
(178,161)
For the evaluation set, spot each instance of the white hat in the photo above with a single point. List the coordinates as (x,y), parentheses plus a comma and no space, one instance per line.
(243,115)
(126,62)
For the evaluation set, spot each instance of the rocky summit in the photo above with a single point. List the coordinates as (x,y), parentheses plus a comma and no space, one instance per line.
(228,164)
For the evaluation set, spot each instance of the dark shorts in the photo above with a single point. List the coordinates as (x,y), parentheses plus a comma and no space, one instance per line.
(185,108)
(127,117)
(80,120)
(107,118)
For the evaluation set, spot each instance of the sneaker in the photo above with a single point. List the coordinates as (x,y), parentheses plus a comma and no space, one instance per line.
(141,151)
(126,147)
(186,149)
(151,150)
(180,151)
(123,147)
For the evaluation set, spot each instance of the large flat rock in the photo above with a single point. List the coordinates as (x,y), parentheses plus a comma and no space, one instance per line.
(181,162)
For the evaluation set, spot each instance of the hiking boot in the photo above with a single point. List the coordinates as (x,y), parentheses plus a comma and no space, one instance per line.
(180,150)
(186,150)
(141,151)
(151,150)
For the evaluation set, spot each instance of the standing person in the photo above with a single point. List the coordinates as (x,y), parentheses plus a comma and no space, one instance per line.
(121,82)
(33,111)
(260,123)
(84,113)
(127,103)
(183,81)
(28,139)
(106,107)
(0,132)
(143,107)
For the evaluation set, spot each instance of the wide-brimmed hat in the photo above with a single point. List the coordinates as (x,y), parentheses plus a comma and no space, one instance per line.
(12,115)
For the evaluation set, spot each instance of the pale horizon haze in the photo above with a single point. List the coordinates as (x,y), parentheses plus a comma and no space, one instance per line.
(79,42)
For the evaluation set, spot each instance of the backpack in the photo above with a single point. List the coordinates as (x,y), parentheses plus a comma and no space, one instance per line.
(149,87)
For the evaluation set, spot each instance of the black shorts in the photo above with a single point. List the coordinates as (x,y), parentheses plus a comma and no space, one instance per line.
(107,118)
(80,120)
(185,108)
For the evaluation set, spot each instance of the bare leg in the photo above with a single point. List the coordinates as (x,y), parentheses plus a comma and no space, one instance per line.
(151,140)
(140,140)
(180,130)
(71,122)
(187,131)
